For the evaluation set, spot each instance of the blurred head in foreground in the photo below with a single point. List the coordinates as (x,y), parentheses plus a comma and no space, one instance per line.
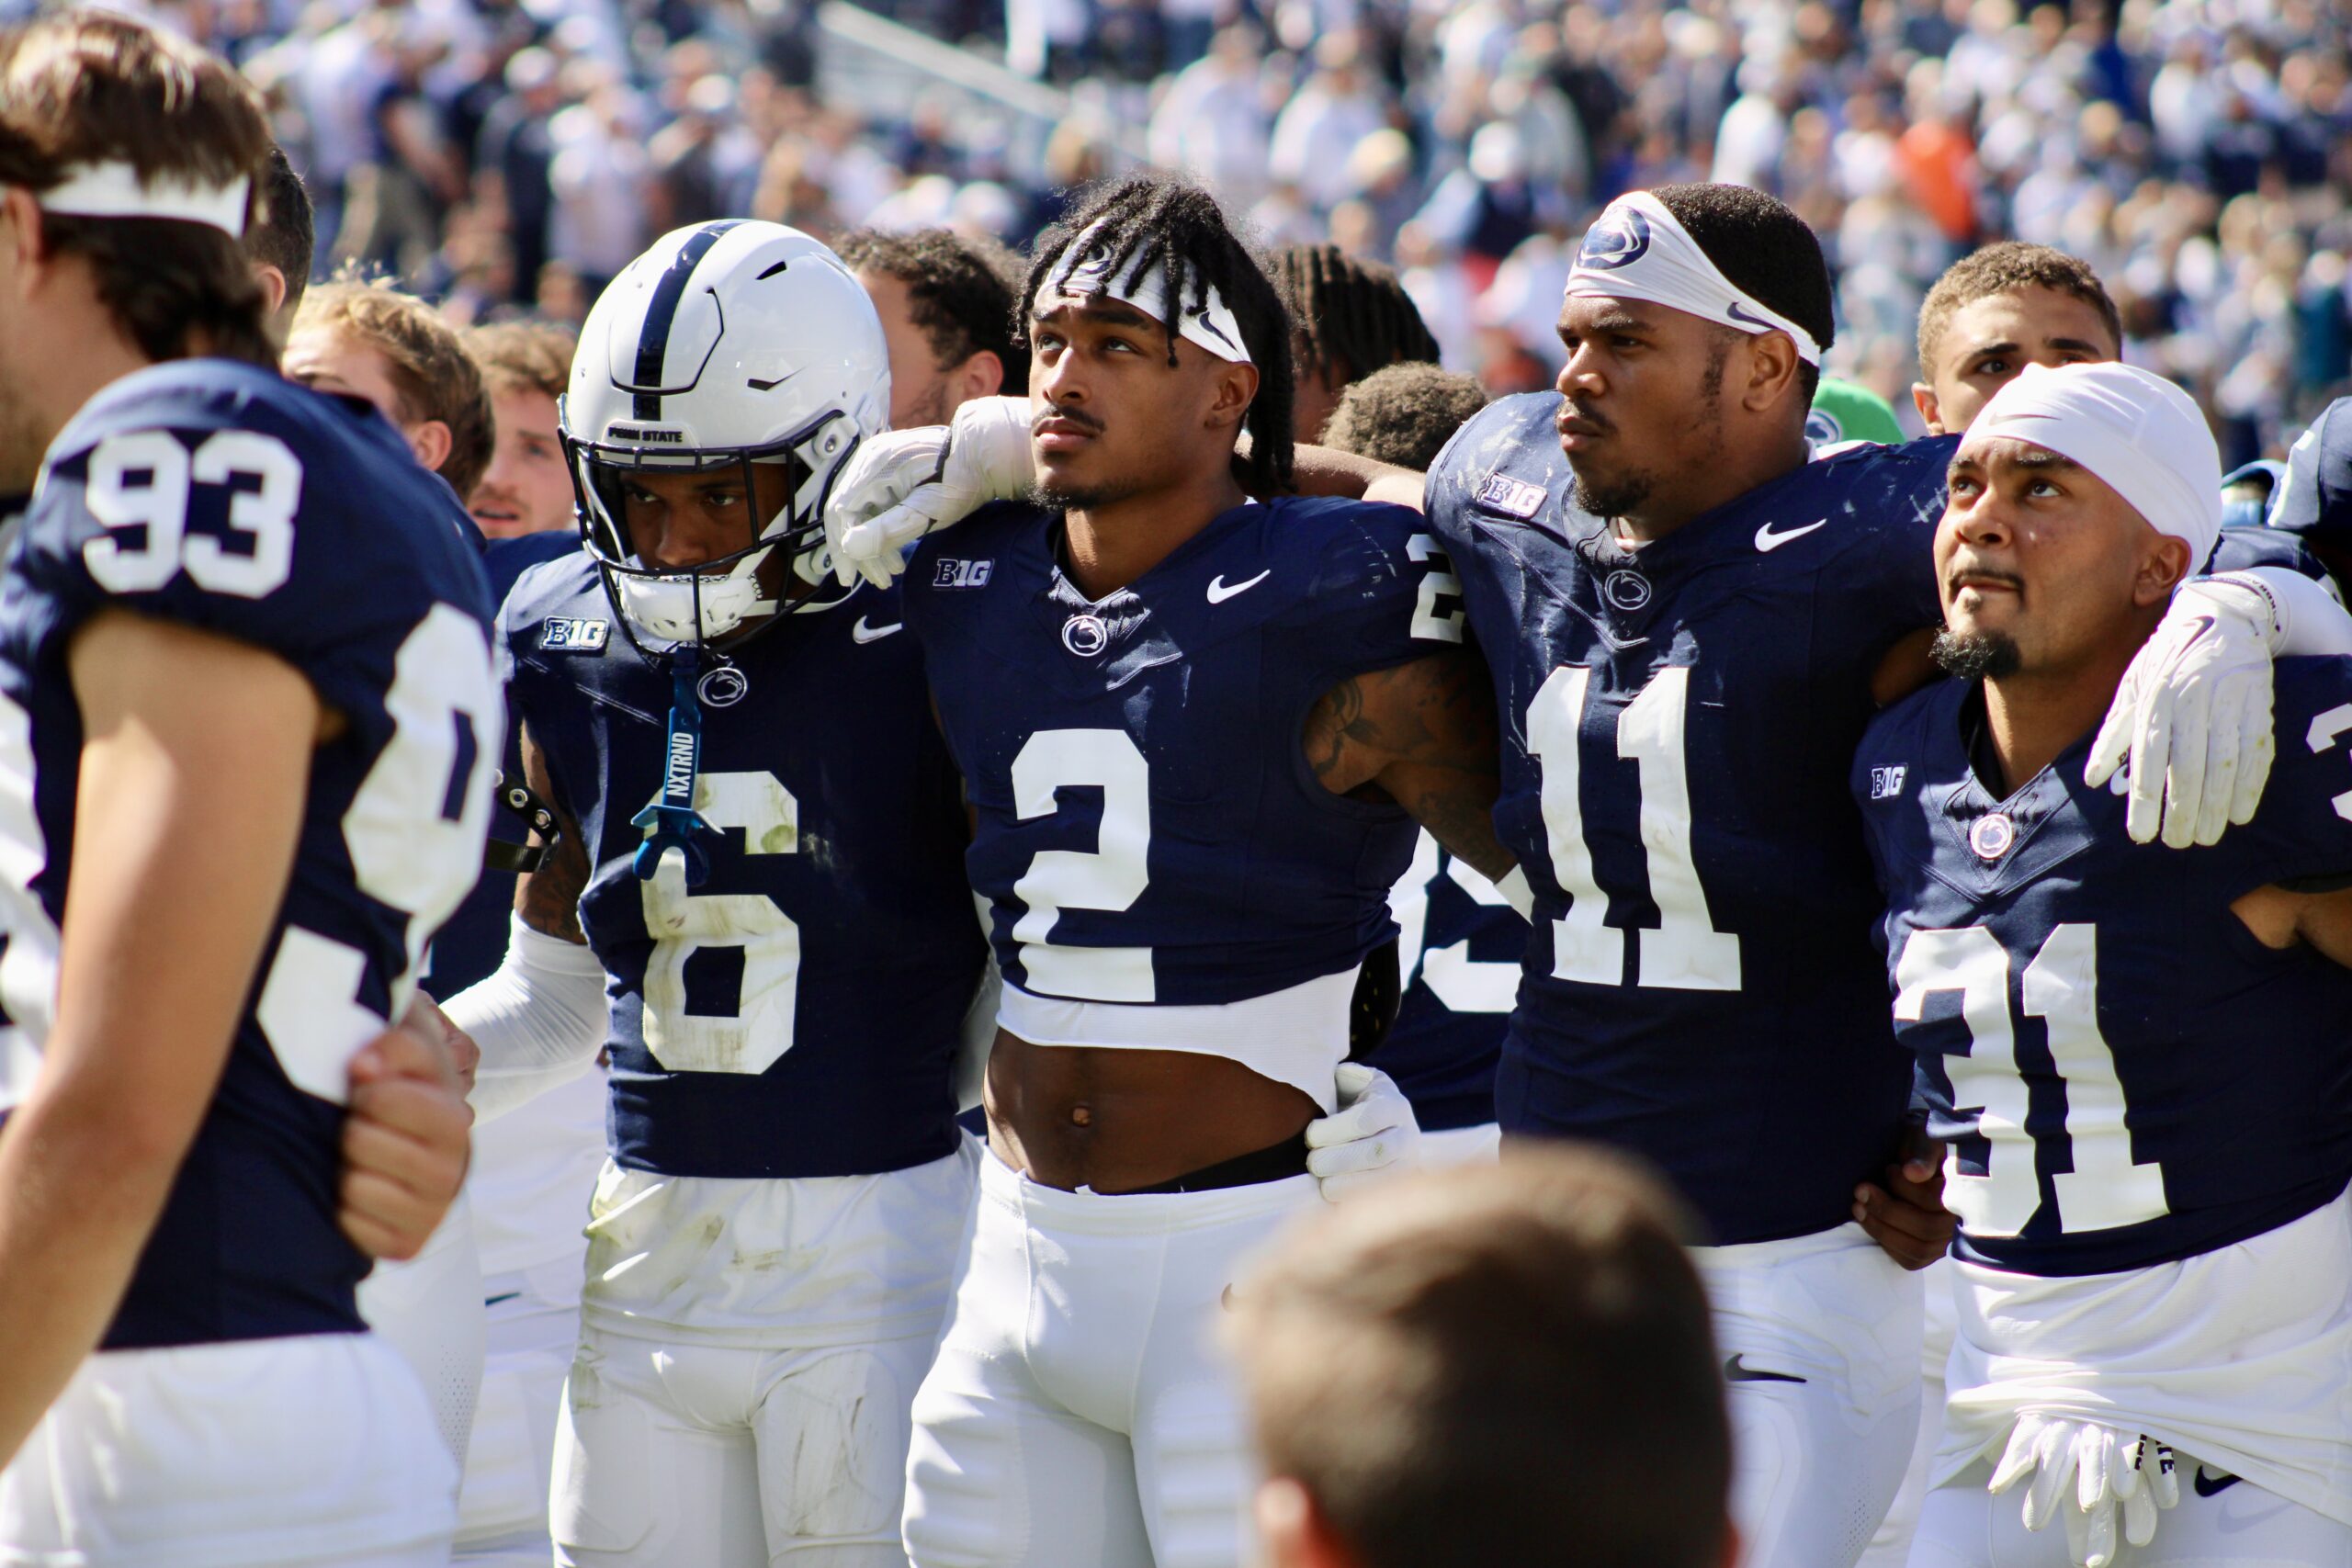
(1425,1369)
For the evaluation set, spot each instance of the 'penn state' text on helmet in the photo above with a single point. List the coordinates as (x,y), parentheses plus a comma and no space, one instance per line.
(727,344)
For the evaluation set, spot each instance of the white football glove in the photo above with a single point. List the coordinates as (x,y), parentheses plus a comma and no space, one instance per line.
(2189,735)
(2107,1468)
(1371,1134)
(901,485)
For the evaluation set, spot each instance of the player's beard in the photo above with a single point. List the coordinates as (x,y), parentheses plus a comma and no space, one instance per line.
(1618,496)
(1977,656)
(1621,495)
(1064,497)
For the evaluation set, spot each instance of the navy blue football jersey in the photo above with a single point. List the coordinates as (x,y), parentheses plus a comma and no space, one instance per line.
(797,1013)
(2239,549)
(1149,828)
(2126,1075)
(224,498)
(1676,724)
(1458,949)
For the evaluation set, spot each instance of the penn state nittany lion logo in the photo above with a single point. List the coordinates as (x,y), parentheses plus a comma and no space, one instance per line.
(1620,239)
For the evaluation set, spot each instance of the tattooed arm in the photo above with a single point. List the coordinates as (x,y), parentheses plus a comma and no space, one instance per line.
(547,899)
(1423,736)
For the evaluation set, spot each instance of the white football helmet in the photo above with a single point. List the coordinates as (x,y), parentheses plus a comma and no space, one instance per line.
(730,343)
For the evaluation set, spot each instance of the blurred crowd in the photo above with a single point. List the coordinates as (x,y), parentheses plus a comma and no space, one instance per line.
(505,155)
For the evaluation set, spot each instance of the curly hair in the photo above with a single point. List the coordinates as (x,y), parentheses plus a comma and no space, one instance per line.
(959,289)
(431,372)
(1403,413)
(2005,268)
(1149,220)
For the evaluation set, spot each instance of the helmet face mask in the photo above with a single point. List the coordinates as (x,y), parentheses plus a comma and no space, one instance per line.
(715,597)
(735,348)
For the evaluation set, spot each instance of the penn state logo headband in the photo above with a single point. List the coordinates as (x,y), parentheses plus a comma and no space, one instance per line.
(113,189)
(1636,250)
(1084,274)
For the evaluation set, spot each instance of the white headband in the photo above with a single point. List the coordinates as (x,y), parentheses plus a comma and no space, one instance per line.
(2136,431)
(1084,274)
(115,190)
(1636,250)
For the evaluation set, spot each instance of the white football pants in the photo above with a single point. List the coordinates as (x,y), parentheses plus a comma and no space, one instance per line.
(429,1309)
(1891,1548)
(2218,1523)
(313,1451)
(533,1328)
(1079,1414)
(1820,1340)
(687,1455)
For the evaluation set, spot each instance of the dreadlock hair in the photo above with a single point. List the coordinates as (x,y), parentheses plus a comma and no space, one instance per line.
(1152,220)
(1766,251)
(2006,268)
(1353,316)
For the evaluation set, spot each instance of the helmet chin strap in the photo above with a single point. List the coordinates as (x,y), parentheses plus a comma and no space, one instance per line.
(671,822)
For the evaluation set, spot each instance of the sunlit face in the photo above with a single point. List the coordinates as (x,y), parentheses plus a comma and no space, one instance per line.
(2041,564)
(920,390)
(1988,341)
(327,361)
(1112,418)
(677,522)
(526,488)
(1642,392)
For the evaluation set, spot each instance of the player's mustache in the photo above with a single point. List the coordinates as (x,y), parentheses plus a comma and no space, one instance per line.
(1961,570)
(1086,422)
(1583,419)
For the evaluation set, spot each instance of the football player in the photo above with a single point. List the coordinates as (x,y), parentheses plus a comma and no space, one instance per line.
(761,853)
(247,713)
(1196,731)
(771,882)
(1458,939)
(1993,314)
(1689,625)
(2154,1253)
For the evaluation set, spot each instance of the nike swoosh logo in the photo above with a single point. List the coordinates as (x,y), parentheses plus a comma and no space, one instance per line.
(1735,1370)
(507,1297)
(2213,1485)
(1219,592)
(1753,320)
(864,633)
(1768,541)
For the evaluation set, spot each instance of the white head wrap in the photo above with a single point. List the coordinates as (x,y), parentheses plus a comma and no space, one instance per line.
(2136,431)
(1637,250)
(115,190)
(1084,274)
